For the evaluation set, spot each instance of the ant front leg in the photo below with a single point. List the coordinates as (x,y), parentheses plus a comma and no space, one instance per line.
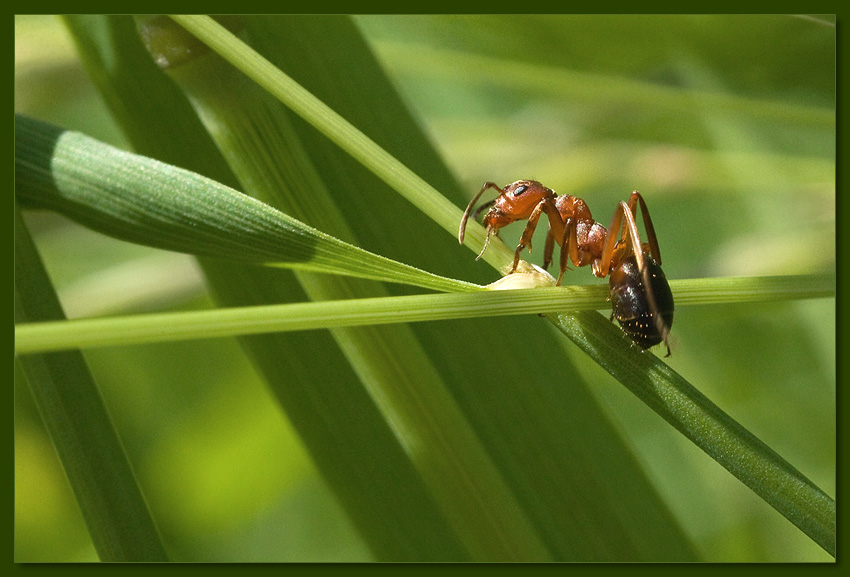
(530,227)
(462,230)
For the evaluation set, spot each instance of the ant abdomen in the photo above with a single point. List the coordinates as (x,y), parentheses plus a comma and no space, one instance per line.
(630,301)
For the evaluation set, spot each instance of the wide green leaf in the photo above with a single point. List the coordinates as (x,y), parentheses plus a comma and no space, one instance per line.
(144,200)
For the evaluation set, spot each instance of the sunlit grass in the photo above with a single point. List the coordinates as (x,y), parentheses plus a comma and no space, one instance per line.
(718,189)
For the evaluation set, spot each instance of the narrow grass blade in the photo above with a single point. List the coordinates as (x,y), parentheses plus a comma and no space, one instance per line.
(340,131)
(695,416)
(67,397)
(579,86)
(346,435)
(163,327)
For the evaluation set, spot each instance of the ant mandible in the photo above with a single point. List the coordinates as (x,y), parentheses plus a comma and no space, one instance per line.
(640,296)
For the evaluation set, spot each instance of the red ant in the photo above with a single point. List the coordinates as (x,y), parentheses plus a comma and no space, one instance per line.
(640,296)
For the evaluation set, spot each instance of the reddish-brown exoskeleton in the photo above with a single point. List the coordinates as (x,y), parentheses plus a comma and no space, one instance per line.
(640,295)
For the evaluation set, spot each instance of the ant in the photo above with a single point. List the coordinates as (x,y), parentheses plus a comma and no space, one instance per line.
(640,296)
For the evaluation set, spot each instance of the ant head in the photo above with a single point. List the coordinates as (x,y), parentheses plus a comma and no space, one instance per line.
(516,202)
(527,189)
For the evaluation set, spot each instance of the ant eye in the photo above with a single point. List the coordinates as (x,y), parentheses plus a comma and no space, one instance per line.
(520,189)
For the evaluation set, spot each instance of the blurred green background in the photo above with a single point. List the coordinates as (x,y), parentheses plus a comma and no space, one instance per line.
(724,123)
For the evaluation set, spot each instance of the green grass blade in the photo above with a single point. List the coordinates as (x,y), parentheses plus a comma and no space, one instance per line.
(582,541)
(339,423)
(695,416)
(86,333)
(552,393)
(338,130)
(393,366)
(143,200)
(753,289)
(593,106)
(341,132)
(73,411)
(559,83)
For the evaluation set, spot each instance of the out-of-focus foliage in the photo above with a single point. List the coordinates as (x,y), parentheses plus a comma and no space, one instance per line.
(724,123)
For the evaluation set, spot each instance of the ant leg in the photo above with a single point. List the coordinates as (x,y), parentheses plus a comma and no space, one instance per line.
(634,200)
(602,265)
(484,206)
(486,242)
(556,231)
(620,232)
(569,248)
(549,249)
(462,231)
(525,239)
(624,217)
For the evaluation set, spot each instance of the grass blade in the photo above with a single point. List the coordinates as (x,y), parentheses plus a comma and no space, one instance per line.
(541,477)
(393,366)
(484,404)
(710,428)
(346,435)
(68,399)
(143,200)
(339,131)
(386,167)
(86,333)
